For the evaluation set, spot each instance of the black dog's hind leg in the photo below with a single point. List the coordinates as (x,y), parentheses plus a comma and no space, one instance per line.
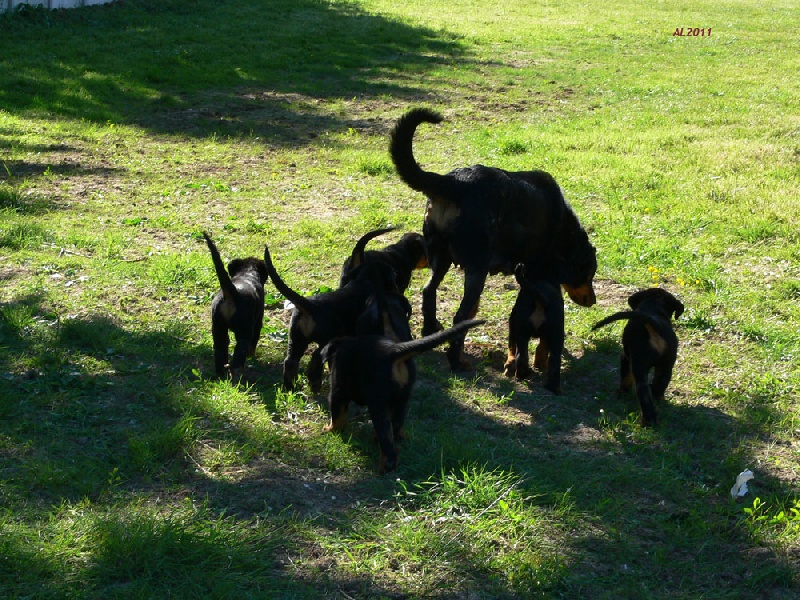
(399,409)
(510,368)
(439,261)
(382,423)
(430,324)
(219,332)
(644,394)
(240,353)
(522,358)
(291,365)
(541,358)
(661,378)
(473,288)
(257,326)
(553,378)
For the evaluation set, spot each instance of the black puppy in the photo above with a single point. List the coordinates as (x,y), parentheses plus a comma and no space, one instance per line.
(404,256)
(648,342)
(322,317)
(373,371)
(538,313)
(238,307)
(489,220)
(386,313)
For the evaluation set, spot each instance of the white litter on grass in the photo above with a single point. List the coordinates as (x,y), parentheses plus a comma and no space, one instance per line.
(739,488)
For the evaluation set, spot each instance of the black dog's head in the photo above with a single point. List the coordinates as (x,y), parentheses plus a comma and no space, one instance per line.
(658,299)
(577,270)
(242,265)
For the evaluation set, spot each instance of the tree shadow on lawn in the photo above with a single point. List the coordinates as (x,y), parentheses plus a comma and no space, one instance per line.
(76,392)
(230,68)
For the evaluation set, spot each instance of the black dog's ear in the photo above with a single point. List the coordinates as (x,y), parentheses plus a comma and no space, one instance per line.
(676,307)
(519,273)
(263,273)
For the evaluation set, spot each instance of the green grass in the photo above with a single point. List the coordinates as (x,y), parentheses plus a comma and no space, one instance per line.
(127,129)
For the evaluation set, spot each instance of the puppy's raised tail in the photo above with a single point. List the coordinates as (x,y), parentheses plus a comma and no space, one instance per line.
(400,149)
(357,257)
(627,315)
(226,285)
(406,350)
(295,298)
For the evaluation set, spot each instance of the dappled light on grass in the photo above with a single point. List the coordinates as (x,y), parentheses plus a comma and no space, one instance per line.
(468,526)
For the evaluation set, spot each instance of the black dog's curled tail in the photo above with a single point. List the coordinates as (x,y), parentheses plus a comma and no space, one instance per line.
(406,350)
(298,300)
(627,315)
(226,285)
(400,149)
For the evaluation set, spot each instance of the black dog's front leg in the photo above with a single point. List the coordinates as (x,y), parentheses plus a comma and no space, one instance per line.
(473,288)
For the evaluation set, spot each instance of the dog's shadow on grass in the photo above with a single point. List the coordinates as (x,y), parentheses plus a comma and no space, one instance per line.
(588,445)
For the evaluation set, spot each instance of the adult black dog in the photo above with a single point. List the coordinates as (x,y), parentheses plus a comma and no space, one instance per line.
(403,256)
(538,312)
(488,220)
(377,372)
(648,343)
(238,307)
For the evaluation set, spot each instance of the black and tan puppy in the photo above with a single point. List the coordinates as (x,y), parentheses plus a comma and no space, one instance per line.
(489,220)
(386,313)
(404,256)
(537,313)
(322,317)
(648,342)
(238,307)
(373,371)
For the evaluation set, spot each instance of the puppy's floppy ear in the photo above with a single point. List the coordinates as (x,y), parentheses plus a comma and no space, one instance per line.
(263,273)
(676,307)
(519,273)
